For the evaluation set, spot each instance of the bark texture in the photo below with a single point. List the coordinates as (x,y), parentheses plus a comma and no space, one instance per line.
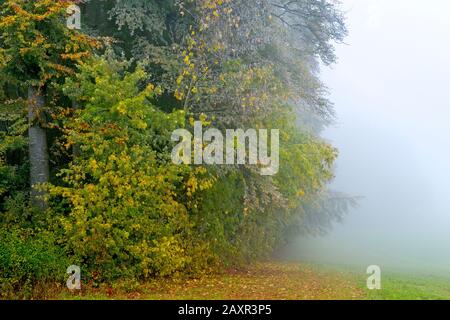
(38,149)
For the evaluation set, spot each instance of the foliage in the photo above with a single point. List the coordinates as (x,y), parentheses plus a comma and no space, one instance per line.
(117,205)
(126,215)
(36,50)
(35,44)
(13,170)
(27,261)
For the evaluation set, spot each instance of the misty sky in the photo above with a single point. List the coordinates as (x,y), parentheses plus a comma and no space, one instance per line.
(391,88)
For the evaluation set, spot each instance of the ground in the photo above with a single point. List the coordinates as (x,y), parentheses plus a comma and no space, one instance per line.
(276,281)
(408,287)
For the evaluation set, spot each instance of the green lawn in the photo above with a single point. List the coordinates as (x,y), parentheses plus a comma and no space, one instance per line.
(397,285)
(408,287)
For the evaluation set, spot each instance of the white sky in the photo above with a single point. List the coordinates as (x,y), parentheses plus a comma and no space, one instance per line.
(396,69)
(391,88)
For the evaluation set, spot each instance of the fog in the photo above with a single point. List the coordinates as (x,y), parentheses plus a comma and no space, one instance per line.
(391,90)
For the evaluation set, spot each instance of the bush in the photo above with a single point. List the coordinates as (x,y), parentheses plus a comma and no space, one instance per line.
(27,263)
(127,205)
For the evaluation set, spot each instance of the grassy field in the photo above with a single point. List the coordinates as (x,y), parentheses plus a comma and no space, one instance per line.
(407,287)
(277,281)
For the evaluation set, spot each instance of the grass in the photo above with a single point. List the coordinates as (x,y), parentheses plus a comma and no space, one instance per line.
(276,281)
(265,281)
(407,287)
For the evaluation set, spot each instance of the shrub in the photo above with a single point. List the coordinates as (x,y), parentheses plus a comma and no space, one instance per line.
(27,263)
(127,205)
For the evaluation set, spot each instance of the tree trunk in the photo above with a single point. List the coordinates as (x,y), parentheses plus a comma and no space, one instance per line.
(39,163)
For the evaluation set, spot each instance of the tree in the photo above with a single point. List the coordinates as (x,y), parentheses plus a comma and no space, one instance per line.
(38,150)
(118,204)
(244,64)
(128,205)
(37,51)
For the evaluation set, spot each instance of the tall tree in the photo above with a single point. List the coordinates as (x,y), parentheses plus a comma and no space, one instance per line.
(37,51)
(38,150)
(244,64)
